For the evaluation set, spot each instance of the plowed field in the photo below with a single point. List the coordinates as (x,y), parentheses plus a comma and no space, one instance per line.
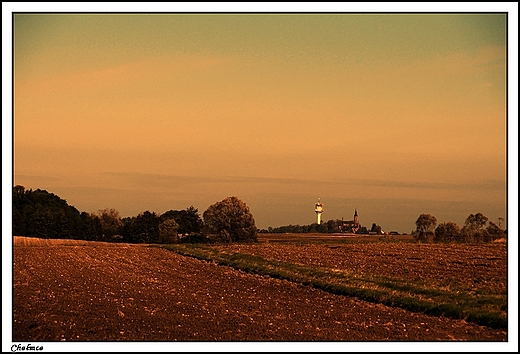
(472,267)
(94,291)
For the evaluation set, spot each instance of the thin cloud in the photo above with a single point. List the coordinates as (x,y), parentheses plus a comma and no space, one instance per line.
(176,180)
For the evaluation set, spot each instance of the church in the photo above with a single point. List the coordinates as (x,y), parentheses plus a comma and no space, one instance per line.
(351,225)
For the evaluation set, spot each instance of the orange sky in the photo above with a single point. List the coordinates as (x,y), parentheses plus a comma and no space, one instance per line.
(395,114)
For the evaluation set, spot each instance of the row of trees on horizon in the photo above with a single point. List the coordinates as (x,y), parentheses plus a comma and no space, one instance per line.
(477,228)
(42,214)
(331,226)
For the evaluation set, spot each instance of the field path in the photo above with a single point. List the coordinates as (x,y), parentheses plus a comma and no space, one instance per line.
(83,291)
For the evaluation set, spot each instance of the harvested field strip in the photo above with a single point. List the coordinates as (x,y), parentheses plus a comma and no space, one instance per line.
(417,296)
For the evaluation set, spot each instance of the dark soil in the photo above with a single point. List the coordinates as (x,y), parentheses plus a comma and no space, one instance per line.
(470,267)
(82,291)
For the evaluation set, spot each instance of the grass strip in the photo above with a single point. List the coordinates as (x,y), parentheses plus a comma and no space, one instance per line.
(481,309)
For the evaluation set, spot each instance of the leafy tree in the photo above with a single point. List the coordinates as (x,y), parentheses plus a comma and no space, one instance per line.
(447,232)
(322,228)
(332,226)
(42,214)
(476,221)
(362,230)
(92,228)
(230,220)
(189,220)
(18,223)
(475,229)
(376,228)
(143,228)
(425,226)
(168,231)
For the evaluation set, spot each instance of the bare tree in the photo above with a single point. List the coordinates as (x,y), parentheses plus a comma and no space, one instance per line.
(111,222)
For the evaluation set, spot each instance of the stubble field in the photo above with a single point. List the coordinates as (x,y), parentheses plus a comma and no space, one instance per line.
(93,291)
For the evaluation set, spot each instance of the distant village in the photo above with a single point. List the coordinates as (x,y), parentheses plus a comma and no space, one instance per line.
(351,226)
(331,226)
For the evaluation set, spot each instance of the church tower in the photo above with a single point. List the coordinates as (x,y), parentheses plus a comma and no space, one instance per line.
(355,224)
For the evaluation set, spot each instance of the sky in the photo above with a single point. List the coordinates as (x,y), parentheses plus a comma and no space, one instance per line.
(389,114)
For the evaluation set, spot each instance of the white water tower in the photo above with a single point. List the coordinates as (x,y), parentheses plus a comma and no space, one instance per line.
(319,210)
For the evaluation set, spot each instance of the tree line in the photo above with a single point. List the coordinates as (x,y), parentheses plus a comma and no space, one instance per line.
(477,229)
(42,214)
(329,227)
